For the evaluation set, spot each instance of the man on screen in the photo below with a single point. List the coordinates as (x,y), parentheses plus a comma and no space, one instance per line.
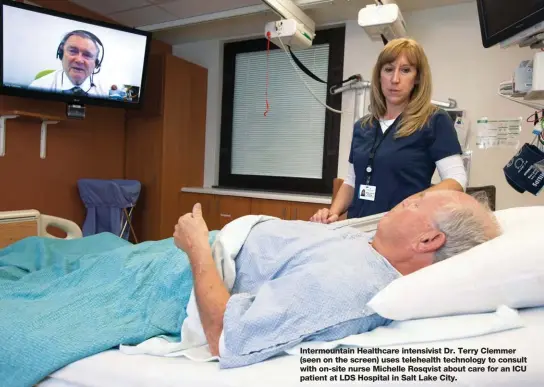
(81,54)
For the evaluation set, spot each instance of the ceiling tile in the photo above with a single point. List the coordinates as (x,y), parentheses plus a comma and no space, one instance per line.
(184,9)
(105,7)
(143,16)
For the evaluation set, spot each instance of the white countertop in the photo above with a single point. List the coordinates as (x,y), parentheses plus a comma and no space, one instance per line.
(292,197)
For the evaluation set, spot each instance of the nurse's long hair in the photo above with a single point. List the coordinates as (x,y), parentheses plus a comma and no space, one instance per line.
(419,109)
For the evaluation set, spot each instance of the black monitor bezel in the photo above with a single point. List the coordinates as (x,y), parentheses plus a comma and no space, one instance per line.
(71,100)
(508,32)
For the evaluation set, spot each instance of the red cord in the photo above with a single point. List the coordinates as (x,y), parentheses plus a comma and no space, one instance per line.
(267,57)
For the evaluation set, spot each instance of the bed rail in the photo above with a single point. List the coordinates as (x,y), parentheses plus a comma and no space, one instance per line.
(16,225)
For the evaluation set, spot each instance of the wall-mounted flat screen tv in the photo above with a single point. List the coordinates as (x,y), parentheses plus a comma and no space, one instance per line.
(56,56)
(502,19)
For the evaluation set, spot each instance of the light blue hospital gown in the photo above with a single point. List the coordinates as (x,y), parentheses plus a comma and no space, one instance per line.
(300,281)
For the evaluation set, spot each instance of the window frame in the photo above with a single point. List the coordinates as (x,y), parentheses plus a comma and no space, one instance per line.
(335,37)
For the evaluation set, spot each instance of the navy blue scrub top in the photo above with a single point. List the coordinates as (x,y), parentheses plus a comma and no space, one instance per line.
(402,166)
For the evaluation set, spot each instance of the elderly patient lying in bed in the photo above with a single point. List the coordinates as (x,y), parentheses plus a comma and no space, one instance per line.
(61,301)
(300,281)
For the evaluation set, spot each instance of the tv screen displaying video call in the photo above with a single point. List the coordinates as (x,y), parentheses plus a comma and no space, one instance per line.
(53,54)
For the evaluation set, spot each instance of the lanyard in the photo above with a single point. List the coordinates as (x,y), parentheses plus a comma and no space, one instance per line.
(370,166)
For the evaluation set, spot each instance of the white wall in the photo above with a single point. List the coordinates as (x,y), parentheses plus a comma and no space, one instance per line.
(360,55)
(462,70)
(209,54)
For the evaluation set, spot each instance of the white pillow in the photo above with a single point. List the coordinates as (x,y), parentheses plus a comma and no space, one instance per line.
(520,217)
(508,270)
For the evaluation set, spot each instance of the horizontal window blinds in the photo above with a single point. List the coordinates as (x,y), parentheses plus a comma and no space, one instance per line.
(288,142)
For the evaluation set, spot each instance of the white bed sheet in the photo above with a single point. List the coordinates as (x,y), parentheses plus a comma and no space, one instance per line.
(114,369)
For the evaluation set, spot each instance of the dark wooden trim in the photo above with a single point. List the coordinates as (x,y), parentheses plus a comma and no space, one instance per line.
(335,37)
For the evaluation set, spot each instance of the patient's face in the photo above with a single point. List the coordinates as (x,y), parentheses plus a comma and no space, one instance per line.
(414,216)
(408,236)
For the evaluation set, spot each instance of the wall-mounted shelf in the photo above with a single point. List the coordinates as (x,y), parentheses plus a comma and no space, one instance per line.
(46,119)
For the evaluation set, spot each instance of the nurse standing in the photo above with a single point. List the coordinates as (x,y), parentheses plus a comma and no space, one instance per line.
(396,149)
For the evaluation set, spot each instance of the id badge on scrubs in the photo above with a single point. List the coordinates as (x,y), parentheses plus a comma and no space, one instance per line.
(367,192)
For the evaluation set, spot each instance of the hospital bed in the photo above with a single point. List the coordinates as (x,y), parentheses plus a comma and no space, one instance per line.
(113,368)
(16,225)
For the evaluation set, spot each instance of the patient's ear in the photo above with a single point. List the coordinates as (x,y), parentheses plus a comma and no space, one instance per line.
(430,241)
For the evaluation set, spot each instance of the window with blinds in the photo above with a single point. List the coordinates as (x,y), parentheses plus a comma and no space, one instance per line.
(289,140)
(295,146)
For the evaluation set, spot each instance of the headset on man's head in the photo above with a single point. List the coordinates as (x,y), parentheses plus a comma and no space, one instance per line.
(93,37)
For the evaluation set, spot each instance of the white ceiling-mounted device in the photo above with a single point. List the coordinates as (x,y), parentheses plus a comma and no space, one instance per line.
(295,30)
(383,20)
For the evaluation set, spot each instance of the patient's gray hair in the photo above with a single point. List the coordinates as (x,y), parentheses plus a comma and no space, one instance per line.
(463,228)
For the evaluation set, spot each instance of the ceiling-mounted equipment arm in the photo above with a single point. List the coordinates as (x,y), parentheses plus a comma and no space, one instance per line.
(287,9)
(383,21)
(295,29)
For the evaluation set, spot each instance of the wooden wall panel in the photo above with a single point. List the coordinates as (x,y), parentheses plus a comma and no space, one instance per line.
(195,136)
(184,135)
(90,148)
(143,163)
(144,130)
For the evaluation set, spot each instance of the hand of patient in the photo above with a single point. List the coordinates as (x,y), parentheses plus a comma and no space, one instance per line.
(191,232)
